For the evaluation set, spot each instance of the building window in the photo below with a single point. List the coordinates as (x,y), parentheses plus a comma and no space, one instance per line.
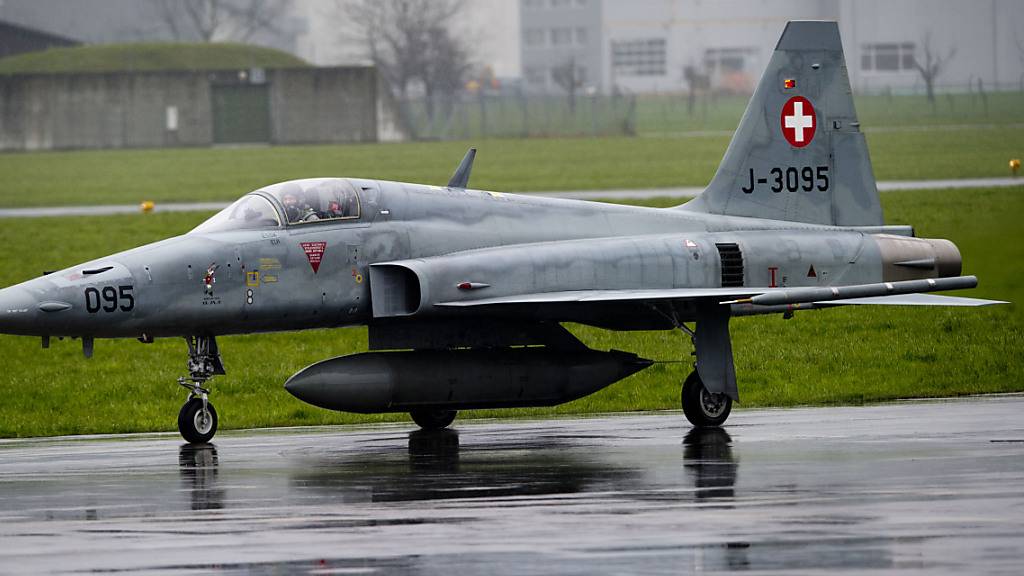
(556,4)
(644,57)
(533,4)
(887,57)
(581,36)
(561,36)
(727,60)
(533,37)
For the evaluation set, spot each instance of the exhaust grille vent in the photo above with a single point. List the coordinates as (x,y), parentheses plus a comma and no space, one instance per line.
(732,264)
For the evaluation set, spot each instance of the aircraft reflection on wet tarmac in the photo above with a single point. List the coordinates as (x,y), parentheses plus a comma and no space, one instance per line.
(927,487)
(433,470)
(434,467)
(197,464)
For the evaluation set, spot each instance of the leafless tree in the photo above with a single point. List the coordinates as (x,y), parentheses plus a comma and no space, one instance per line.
(698,85)
(445,69)
(414,46)
(569,77)
(932,66)
(213,20)
(1020,54)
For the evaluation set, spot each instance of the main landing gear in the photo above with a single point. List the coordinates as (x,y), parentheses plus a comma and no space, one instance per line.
(197,420)
(713,349)
(702,408)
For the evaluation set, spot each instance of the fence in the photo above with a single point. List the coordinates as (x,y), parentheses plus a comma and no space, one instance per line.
(474,116)
(666,114)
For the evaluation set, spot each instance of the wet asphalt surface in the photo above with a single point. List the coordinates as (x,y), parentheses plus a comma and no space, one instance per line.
(931,487)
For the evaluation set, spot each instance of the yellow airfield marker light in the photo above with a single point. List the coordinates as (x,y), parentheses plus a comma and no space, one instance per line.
(1014,165)
(147,206)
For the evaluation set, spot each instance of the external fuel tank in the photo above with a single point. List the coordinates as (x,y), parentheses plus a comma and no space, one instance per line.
(376,382)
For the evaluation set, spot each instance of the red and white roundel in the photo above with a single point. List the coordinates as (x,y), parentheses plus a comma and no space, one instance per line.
(798,121)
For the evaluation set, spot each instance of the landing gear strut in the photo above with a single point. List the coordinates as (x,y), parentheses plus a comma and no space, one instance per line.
(197,420)
(702,408)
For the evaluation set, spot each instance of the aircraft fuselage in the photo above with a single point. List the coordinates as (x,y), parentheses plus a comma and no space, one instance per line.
(316,274)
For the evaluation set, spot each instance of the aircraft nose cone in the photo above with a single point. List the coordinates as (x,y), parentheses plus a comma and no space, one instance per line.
(18,311)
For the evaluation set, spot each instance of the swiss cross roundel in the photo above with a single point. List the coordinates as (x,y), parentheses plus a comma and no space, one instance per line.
(798,121)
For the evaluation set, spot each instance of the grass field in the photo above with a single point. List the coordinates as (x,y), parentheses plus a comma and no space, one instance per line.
(822,357)
(200,174)
(148,56)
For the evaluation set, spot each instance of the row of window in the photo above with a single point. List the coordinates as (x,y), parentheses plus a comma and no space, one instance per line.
(539,76)
(553,4)
(540,37)
(646,57)
(649,56)
(727,60)
(888,57)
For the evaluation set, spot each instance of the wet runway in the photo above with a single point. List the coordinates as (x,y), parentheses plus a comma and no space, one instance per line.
(931,487)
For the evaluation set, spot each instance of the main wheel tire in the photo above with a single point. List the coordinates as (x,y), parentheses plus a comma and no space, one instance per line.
(195,425)
(428,419)
(702,408)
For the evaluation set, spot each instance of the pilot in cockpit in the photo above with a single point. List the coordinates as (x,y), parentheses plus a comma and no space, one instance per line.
(311,211)
(325,201)
(292,208)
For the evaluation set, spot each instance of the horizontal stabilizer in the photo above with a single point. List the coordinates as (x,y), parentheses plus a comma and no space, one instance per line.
(913,300)
(816,294)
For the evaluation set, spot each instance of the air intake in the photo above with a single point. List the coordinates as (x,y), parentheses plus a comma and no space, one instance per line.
(732,264)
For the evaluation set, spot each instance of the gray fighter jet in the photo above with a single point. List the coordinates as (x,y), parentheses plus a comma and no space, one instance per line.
(464,290)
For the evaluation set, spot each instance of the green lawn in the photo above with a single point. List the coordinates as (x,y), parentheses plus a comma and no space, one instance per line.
(848,355)
(201,174)
(148,56)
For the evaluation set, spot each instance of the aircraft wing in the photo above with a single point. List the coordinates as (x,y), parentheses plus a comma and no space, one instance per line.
(594,296)
(725,295)
(906,293)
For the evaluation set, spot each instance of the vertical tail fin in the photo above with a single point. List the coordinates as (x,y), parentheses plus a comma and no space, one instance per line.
(798,154)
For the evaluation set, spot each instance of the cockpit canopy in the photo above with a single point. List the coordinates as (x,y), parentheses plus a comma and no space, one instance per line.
(294,202)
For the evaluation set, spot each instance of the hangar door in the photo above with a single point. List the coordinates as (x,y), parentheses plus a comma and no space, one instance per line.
(241,113)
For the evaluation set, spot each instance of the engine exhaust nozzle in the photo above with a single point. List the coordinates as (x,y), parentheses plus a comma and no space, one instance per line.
(908,258)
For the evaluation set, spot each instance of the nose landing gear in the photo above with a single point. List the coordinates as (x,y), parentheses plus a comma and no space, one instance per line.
(197,420)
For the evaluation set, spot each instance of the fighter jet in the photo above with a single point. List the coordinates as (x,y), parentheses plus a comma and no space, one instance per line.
(465,291)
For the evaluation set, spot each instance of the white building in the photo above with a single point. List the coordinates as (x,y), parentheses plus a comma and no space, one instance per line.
(644,46)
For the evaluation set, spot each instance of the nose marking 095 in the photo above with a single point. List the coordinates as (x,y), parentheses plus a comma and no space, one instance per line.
(109,299)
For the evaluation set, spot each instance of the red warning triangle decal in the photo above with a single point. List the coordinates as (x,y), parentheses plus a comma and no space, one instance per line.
(811,273)
(314,253)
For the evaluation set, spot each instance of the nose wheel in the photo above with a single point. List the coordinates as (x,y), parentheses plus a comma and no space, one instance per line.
(197,420)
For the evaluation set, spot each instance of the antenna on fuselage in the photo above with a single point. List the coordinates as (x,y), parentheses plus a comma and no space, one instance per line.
(460,179)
